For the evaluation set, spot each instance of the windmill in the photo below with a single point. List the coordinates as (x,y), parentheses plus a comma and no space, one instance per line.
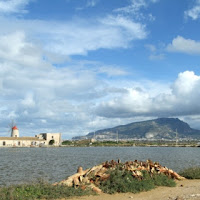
(10,128)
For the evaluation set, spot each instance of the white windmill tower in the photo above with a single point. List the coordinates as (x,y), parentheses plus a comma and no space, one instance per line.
(15,132)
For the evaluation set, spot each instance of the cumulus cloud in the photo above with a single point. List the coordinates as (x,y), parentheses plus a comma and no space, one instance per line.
(181,99)
(182,45)
(194,12)
(13,6)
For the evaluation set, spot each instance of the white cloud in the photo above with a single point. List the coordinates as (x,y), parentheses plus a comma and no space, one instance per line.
(13,6)
(75,37)
(15,48)
(186,84)
(79,37)
(131,30)
(135,8)
(194,12)
(182,99)
(188,46)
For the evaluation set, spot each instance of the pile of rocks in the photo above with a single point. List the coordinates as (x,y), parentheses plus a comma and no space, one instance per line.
(93,176)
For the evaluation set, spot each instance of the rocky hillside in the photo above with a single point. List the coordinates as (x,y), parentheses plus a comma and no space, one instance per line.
(161,128)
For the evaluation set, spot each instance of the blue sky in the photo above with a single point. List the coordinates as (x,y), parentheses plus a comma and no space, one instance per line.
(76,66)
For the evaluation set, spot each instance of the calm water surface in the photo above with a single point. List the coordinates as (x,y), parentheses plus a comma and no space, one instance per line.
(23,165)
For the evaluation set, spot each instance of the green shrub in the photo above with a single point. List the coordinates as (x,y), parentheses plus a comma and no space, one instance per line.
(123,181)
(163,180)
(67,142)
(40,191)
(191,173)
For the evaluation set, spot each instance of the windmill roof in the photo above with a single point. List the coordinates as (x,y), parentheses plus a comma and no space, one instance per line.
(14,128)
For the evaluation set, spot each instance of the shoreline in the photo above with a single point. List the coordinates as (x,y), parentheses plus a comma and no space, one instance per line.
(131,146)
(70,146)
(101,146)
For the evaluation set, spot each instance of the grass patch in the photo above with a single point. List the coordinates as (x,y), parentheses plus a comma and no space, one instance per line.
(123,181)
(191,173)
(40,191)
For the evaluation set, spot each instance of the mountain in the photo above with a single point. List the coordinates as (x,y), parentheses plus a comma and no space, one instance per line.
(161,128)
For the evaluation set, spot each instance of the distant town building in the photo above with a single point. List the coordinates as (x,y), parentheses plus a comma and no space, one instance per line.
(43,139)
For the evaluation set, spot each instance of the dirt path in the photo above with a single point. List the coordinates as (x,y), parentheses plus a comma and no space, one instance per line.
(185,190)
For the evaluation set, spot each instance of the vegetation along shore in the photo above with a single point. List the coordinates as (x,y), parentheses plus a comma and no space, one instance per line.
(130,143)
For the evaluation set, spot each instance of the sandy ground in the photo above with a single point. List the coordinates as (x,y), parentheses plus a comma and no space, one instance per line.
(185,190)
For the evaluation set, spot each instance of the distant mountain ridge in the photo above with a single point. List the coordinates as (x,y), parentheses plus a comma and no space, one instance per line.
(156,129)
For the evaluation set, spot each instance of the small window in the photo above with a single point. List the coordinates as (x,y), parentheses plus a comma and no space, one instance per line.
(4,143)
(52,137)
(18,143)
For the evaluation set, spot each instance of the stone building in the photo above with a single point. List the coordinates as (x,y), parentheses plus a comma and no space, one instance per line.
(43,139)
